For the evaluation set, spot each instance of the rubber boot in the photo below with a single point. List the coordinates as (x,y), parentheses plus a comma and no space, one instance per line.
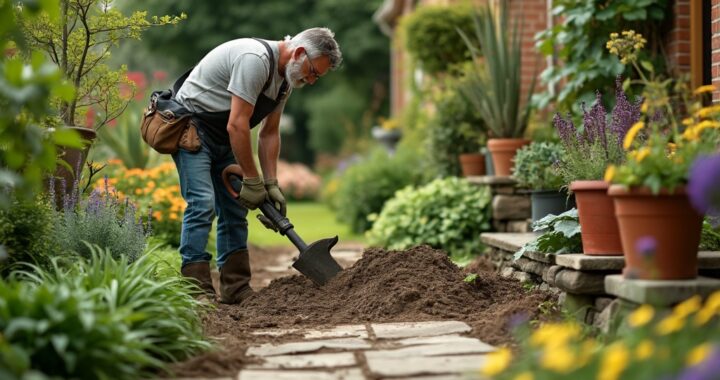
(235,278)
(199,272)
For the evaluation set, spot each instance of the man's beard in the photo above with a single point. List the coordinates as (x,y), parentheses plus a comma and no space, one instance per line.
(293,73)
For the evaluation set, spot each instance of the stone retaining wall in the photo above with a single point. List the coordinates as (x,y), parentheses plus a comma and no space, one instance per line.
(510,206)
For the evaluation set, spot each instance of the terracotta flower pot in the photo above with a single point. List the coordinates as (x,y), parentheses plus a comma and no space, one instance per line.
(472,164)
(660,233)
(600,233)
(503,152)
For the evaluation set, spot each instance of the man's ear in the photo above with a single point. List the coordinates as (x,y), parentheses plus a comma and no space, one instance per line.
(298,52)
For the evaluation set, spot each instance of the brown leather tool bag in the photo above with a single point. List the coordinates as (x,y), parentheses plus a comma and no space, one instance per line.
(166,125)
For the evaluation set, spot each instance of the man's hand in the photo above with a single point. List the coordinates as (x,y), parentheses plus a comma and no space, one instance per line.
(276,196)
(253,193)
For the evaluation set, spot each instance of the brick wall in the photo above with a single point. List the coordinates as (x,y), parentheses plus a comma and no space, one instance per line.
(678,46)
(715,46)
(533,16)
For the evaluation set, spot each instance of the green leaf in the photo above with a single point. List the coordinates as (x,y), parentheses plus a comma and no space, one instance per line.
(638,14)
(647,65)
(67,137)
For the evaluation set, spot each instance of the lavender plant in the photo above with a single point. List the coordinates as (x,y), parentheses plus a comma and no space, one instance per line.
(103,220)
(598,143)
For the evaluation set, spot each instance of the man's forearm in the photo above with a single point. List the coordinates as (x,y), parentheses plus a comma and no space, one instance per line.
(268,152)
(241,145)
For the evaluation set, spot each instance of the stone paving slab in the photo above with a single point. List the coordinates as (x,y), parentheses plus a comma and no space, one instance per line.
(308,361)
(418,329)
(416,366)
(342,331)
(659,293)
(307,346)
(491,180)
(275,332)
(507,241)
(473,347)
(348,374)
(709,259)
(446,339)
(583,262)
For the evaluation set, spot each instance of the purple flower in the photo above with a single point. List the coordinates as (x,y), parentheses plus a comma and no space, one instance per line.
(709,369)
(704,184)
(595,121)
(625,114)
(646,246)
(565,129)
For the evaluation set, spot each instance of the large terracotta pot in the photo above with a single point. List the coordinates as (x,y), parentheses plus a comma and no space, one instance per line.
(472,164)
(503,152)
(600,233)
(666,225)
(69,171)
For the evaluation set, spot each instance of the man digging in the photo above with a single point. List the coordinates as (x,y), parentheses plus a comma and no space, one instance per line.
(234,87)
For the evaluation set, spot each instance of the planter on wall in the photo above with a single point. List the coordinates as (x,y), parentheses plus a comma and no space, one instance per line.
(503,152)
(660,233)
(472,164)
(546,202)
(600,233)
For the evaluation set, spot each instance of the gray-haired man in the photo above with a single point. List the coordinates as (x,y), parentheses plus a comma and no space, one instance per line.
(233,88)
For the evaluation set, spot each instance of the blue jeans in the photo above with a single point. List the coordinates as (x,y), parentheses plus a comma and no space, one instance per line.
(202,188)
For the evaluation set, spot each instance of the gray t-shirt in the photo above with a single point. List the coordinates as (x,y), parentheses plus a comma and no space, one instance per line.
(239,67)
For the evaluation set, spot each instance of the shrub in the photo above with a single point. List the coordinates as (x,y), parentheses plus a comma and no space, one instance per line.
(447,213)
(682,345)
(297,181)
(365,186)
(100,319)
(537,166)
(26,231)
(456,127)
(432,39)
(100,219)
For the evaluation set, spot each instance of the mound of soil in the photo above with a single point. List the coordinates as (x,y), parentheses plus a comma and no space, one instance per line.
(383,286)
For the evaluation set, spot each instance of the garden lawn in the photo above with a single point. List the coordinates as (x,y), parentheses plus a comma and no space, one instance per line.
(312,221)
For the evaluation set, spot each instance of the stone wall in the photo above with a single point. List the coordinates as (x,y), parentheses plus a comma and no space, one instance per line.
(511,209)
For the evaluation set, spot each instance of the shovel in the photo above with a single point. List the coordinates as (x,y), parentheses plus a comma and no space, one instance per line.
(314,261)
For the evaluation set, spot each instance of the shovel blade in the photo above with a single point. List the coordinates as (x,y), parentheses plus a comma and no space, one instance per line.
(316,263)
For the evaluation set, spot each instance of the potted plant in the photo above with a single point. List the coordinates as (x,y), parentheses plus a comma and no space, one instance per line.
(588,151)
(659,228)
(79,42)
(537,168)
(456,133)
(388,133)
(495,89)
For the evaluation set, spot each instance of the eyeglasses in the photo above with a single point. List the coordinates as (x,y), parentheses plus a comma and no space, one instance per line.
(313,72)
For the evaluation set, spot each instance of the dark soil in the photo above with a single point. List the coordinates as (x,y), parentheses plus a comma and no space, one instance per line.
(415,285)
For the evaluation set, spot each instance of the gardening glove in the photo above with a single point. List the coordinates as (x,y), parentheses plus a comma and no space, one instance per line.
(267,222)
(253,193)
(276,196)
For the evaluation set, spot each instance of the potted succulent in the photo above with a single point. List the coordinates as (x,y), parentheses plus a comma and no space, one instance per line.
(659,228)
(495,88)
(537,168)
(79,42)
(588,151)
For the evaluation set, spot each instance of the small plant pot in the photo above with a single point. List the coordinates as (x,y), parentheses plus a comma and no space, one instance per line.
(388,138)
(546,202)
(503,152)
(600,233)
(660,233)
(489,168)
(472,164)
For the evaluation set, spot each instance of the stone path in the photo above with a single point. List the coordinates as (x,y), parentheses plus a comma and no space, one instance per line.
(421,350)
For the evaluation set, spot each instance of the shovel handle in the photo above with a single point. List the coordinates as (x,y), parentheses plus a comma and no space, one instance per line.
(282,223)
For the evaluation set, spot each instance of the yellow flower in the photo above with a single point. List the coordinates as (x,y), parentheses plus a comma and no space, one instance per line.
(610,173)
(698,354)
(670,324)
(497,362)
(524,376)
(688,307)
(688,121)
(157,215)
(614,362)
(559,359)
(644,107)
(642,153)
(173,216)
(703,316)
(713,302)
(632,132)
(555,334)
(641,316)
(644,350)
(704,89)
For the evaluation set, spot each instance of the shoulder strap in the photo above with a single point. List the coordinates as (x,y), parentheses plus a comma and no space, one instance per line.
(272,62)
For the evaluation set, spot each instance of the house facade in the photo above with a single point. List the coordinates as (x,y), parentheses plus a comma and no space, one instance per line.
(692,45)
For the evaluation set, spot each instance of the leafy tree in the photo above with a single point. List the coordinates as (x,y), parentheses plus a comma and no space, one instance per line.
(79,42)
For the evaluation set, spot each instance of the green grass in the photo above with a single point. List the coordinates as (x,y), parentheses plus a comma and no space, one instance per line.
(312,221)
